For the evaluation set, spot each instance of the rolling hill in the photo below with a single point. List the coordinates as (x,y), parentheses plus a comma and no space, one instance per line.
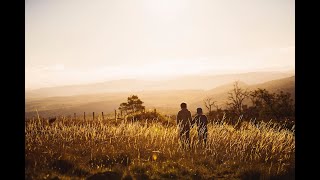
(134,85)
(220,94)
(166,101)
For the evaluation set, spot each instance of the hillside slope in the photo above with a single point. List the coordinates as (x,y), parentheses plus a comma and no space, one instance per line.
(166,101)
(134,85)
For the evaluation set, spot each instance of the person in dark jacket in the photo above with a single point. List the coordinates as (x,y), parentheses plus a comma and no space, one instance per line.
(184,122)
(201,121)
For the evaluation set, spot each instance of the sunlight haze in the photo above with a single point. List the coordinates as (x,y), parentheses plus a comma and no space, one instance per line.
(78,41)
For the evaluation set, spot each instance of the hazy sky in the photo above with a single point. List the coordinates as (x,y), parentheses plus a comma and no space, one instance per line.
(78,41)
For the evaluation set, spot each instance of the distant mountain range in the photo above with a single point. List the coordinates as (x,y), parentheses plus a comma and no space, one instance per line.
(73,99)
(134,85)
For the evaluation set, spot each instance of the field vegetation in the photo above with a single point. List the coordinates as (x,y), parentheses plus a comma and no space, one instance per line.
(149,149)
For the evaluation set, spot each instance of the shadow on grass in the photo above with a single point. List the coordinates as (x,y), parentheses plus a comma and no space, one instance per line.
(255,174)
(108,175)
(66,167)
(121,159)
(251,175)
(139,172)
(62,166)
(169,176)
(287,176)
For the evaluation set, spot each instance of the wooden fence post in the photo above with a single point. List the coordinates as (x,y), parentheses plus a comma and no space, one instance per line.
(84,115)
(92,115)
(115,115)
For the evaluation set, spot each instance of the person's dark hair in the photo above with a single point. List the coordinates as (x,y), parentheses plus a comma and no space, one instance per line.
(183,105)
(199,110)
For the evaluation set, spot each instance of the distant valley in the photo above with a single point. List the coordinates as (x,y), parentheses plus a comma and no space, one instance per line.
(165,96)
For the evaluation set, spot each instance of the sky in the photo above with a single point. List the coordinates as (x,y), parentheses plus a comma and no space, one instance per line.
(81,41)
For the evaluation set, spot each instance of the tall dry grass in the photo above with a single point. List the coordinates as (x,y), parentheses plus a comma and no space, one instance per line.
(79,149)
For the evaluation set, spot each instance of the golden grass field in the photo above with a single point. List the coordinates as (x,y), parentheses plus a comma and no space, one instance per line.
(79,149)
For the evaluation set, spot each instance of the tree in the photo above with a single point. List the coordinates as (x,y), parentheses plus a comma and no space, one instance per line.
(212,114)
(268,105)
(237,97)
(209,102)
(284,105)
(133,105)
(263,103)
(124,107)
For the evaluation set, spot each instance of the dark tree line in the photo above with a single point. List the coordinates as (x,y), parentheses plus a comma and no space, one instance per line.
(259,104)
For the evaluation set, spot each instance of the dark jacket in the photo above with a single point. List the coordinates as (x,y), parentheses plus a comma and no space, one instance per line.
(184,119)
(201,121)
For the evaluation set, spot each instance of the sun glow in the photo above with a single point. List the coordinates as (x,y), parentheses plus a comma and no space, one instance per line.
(165,9)
(72,42)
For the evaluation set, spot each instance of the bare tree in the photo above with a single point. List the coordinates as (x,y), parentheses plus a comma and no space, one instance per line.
(209,102)
(237,96)
(217,107)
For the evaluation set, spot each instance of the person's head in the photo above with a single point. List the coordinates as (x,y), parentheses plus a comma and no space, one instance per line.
(199,111)
(183,105)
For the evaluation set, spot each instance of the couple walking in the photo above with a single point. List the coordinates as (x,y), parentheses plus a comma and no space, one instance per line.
(185,122)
